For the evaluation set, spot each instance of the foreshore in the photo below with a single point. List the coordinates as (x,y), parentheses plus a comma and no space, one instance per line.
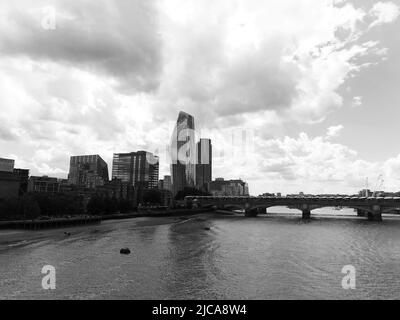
(10,238)
(83,220)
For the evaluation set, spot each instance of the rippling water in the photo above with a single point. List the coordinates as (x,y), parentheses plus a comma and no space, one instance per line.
(269,257)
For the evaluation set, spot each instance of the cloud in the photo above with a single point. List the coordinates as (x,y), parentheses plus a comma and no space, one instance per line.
(113,75)
(384,12)
(119,39)
(284,56)
(334,131)
(357,101)
(315,165)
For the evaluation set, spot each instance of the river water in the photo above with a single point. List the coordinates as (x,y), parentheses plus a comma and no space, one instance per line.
(277,256)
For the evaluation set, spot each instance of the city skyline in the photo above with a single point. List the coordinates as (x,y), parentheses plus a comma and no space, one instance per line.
(321,103)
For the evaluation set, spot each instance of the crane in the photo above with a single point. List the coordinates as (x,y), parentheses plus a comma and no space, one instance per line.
(379,184)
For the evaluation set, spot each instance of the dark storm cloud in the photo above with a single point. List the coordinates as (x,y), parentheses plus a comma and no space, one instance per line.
(119,38)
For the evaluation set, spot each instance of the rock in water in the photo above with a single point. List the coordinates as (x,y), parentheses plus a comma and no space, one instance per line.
(125,251)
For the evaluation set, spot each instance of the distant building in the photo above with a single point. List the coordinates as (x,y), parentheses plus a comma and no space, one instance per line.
(167,183)
(9,185)
(44,184)
(23,175)
(183,153)
(10,180)
(203,164)
(89,171)
(116,189)
(6,165)
(365,193)
(166,198)
(233,188)
(267,194)
(138,169)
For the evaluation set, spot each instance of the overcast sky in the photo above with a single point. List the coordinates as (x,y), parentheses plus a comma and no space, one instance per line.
(314,84)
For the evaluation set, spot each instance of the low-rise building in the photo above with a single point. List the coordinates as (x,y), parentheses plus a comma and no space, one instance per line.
(44,184)
(232,188)
(9,185)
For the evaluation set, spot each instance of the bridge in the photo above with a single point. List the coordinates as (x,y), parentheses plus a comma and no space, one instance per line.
(370,207)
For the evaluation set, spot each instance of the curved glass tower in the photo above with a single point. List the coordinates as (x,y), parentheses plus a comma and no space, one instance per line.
(183,153)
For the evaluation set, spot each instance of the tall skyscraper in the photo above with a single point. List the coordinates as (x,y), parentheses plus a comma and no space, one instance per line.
(138,169)
(88,171)
(204,163)
(183,153)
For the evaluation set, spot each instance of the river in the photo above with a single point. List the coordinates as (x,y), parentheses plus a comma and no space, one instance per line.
(275,256)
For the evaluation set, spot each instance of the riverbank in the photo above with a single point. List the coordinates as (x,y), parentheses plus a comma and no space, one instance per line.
(11,238)
(57,223)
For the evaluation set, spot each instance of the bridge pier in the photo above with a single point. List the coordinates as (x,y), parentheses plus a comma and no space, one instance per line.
(376,214)
(306,214)
(262,210)
(361,213)
(250,212)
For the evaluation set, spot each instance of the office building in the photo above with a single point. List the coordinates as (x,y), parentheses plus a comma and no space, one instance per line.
(165,184)
(183,153)
(231,188)
(89,171)
(6,165)
(139,169)
(204,164)
(11,180)
(44,184)
(9,185)
(23,175)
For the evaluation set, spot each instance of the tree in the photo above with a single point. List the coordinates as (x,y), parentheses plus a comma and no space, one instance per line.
(152,196)
(96,206)
(28,207)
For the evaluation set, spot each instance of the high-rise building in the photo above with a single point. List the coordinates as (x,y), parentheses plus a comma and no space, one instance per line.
(88,171)
(183,153)
(138,169)
(204,164)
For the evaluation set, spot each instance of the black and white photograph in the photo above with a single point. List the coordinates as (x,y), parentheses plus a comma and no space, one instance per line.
(199,150)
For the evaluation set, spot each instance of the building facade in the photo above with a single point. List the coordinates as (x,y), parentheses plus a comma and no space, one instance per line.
(183,153)
(138,169)
(228,188)
(6,165)
(23,175)
(204,164)
(165,184)
(12,181)
(89,171)
(9,186)
(44,184)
